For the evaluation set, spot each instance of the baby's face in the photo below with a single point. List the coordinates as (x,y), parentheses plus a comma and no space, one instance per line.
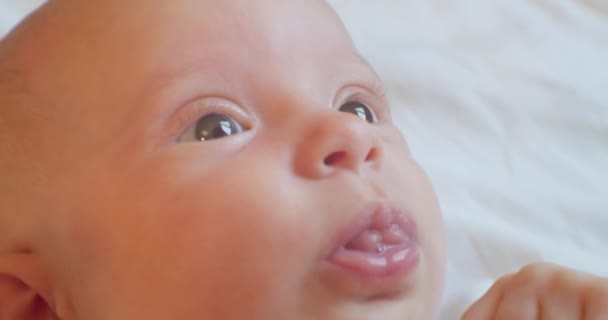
(222,160)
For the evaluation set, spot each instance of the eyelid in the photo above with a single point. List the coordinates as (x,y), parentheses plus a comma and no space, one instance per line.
(189,114)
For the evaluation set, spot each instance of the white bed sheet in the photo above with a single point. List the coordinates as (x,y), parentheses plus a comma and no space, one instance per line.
(505,103)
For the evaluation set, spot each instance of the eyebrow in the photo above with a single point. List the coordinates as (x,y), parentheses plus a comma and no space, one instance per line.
(364,72)
(376,84)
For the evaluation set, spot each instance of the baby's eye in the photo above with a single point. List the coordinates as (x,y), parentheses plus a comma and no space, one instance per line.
(359,109)
(212,126)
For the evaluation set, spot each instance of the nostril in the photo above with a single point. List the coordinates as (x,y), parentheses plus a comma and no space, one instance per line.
(372,155)
(335,158)
(339,156)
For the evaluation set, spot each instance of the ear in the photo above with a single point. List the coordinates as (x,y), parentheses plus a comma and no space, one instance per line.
(24,288)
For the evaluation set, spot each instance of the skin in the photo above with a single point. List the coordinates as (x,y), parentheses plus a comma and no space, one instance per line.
(543,291)
(115,214)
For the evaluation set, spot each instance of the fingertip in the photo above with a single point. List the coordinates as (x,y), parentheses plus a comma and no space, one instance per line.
(485,307)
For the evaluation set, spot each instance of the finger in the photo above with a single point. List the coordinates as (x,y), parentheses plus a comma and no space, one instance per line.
(595,302)
(485,307)
(597,312)
(561,299)
(559,306)
(518,303)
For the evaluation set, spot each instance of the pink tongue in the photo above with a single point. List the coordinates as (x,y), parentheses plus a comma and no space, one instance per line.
(378,240)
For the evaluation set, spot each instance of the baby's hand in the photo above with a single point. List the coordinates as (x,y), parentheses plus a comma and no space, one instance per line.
(543,292)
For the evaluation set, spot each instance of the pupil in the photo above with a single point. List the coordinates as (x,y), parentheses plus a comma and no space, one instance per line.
(215,126)
(360,110)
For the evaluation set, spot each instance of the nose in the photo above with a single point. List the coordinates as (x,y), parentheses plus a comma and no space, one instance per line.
(337,141)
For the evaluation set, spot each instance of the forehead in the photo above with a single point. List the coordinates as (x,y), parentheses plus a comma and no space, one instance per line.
(160,31)
(278,40)
(113,46)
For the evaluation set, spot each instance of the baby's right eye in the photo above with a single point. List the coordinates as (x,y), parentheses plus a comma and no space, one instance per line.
(212,126)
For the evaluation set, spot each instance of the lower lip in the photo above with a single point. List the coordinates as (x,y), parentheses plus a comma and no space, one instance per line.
(396,261)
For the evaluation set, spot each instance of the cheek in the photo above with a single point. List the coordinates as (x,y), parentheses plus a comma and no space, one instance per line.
(200,234)
(410,182)
(417,191)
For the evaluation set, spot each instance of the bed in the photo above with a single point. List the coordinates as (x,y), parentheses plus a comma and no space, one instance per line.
(505,104)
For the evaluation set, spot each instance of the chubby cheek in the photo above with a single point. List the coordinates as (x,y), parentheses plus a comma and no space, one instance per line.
(413,183)
(186,246)
(415,186)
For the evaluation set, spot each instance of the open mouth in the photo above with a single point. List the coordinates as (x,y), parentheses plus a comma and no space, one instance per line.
(381,242)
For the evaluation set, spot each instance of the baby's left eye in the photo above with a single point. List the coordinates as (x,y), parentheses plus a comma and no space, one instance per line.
(359,109)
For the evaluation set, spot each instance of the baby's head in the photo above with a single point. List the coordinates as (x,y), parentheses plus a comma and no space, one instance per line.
(205,160)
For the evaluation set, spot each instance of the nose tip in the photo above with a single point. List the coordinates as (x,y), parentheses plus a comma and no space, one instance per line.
(339,142)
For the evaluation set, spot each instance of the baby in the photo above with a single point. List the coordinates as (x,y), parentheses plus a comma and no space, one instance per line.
(229,159)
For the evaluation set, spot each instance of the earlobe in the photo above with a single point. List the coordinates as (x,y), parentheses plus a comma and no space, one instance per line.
(24,288)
